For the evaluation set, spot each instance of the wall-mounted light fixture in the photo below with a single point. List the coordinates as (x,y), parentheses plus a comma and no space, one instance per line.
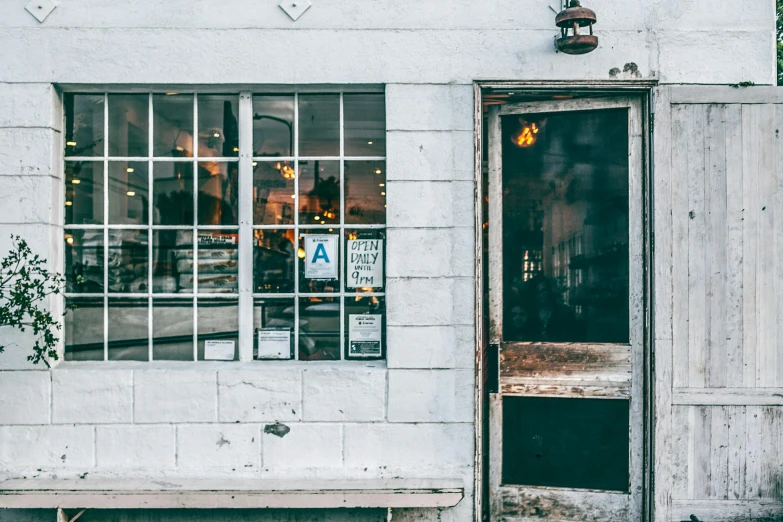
(570,20)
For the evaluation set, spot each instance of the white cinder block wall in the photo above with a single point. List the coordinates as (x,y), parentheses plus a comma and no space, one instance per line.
(410,416)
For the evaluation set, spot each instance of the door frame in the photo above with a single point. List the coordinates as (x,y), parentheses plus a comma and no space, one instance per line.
(644,91)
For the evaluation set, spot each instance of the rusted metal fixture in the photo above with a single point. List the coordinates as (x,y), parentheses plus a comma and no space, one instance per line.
(573,18)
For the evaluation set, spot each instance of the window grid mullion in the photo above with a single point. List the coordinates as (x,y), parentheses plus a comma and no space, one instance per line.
(296,226)
(245,217)
(105,227)
(195,226)
(341,255)
(150,236)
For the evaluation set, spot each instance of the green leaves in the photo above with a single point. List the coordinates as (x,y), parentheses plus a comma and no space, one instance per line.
(25,283)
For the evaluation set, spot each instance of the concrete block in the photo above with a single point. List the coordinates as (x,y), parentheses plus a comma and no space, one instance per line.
(417,450)
(135,447)
(92,396)
(28,105)
(24,397)
(429,302)
(430,347)
(429,204)
(29,152)
(175,396)
(28,199)
(425,155)
(306,447)
(430,396)
(24,448)
(219,446)
(258,396)
(429,107)
(433,252)
(345,395)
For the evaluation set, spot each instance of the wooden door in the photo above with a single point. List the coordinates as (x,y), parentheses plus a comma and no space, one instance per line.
(566,263)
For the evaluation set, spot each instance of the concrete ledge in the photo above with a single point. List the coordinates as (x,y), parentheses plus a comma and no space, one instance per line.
(229,493)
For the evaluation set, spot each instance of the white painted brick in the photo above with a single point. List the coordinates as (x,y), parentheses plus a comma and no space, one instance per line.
(432,450)
(434,252)
(429,302)
(430,346)
(135,447)
(175,396)
(219,446)
(27,199)
(422,156)
(305,447)
(429,107)
(92,396)
(24,397)
(28,152)
(427,204)
(344,395)
(28,105)
(260,395)
(46,447)
(430,396)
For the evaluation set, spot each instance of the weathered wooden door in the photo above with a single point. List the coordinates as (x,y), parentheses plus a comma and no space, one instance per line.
(566,310)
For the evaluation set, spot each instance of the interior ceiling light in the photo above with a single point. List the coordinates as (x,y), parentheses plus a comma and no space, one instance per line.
(570,21)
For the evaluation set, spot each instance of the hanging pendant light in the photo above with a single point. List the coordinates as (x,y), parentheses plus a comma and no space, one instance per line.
(570,21)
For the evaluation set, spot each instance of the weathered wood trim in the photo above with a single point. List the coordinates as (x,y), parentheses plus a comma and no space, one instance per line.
(562,504)
(478,300)
(578,391)
(726,510)
(592,361)
(577,104)
(728,396)
(495,195)
(720,94)
(495,452)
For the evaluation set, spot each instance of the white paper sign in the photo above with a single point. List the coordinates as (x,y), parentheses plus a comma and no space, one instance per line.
(364,335)
(219,350)
(320,256)
(364,266)
(274,343)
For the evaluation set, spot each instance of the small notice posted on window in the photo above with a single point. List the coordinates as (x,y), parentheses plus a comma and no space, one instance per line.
(219,350)
(364,335)
(364,266)
(274,343)
(320,256)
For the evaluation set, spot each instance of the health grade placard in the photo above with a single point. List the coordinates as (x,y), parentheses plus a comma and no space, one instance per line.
(364,267)
(320,256)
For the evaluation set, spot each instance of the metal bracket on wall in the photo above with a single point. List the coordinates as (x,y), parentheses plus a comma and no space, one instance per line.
(295,8)
(40,9)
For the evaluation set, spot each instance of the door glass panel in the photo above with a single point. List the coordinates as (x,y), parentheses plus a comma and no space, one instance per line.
(565,227)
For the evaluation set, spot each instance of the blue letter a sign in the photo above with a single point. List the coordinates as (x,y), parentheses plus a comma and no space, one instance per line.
(320,253)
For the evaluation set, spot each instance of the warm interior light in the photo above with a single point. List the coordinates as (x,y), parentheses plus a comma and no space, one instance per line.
(131,193)
(377,171)
(68,203)
(331,229)
(527,136)
(383,193)
(236,149)
(70,143)
(381,184)
(255,163)
(171,93)
(129,169)
(293,196)
(76,181)
(217,135)
(69,240)
(301,253)
(369,143)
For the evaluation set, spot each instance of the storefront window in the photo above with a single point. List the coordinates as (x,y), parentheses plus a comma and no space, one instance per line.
(154,213)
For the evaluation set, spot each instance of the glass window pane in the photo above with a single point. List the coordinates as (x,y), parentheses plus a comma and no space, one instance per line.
(565,227)
(172,254)
(172,192)
(273,125)
(83,192)
(84,329)
(128,331)
(273,193)
(172,125)
(218,125)
(218,320)
(319,328)
(218,261)
(276,316)
(365,124)
(368,340)
(319,192)
(84,261)
(365,192)
(128,125)
(217,193)
(312,286)
(319,124)
(83,124)
(128,195)
(128,261)
(365,260)
(172,329)
(274,261)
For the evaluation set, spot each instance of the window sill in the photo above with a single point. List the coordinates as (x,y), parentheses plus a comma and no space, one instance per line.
(211,366)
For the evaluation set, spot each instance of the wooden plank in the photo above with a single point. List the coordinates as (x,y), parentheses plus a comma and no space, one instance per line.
(577,391)
(768,454)
(715,259)
(495,232)
(576,104)
(495,453)
(734,252)
(701,451)
(728,396)
(736,454)
(726,510)
(681,120)
(749,243)
(719,453)
(680,450)
(709,94)
(540,503)
(766,300)
(753,423)
(590,361)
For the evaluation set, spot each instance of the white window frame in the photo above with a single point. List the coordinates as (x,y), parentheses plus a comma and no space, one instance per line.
(245,227)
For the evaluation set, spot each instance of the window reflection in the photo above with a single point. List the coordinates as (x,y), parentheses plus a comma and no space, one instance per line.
(172,254)
(273,125)
(128,334)
(218,262)
(565,227)
(84,261)
(83,124)
(217,193)
(84,329)
(128,125)
(319,125)
(365,192)
(172,329)
(172,192)
(218,320)
(128,196)
(128,261)
(319,192)
(274,261)
(319,328)
(83,192)
(218,125)
(365,124)
(172,116)
(273,191)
